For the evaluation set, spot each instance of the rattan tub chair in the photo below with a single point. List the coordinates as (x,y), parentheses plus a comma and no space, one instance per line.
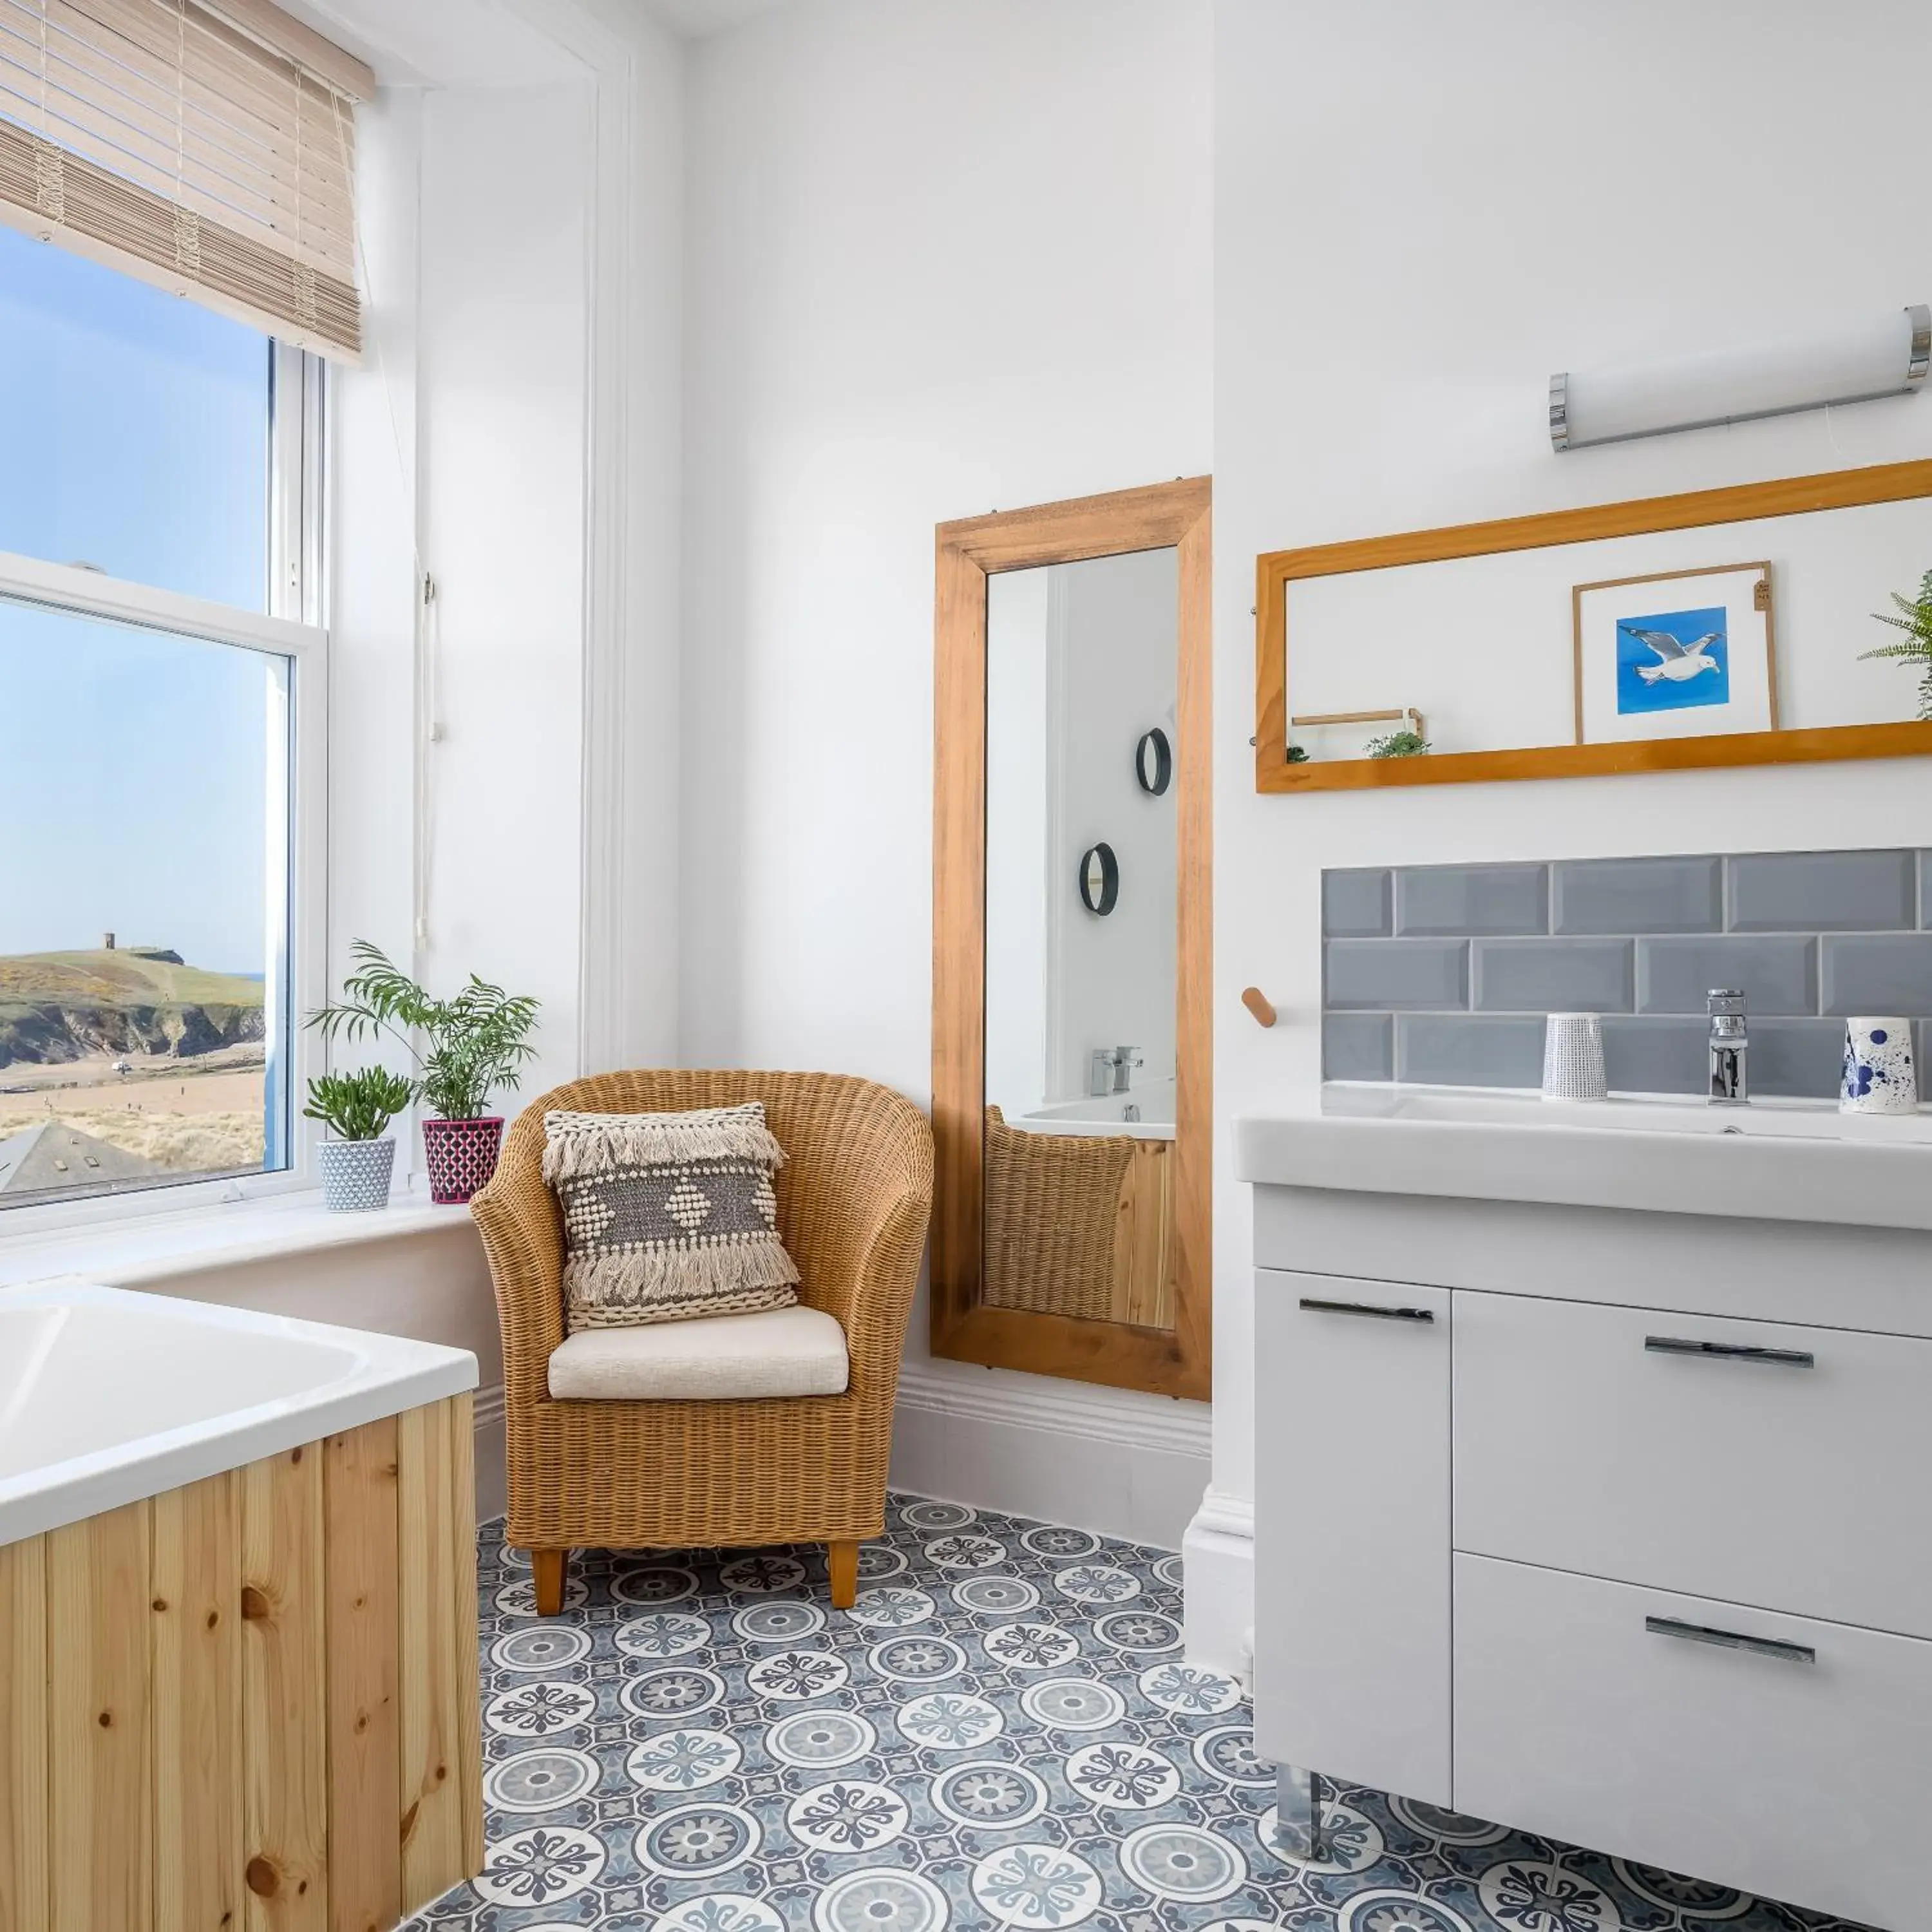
(853,1197)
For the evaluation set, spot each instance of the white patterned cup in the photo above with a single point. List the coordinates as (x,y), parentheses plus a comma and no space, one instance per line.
(1879,1077)
(1573,1057)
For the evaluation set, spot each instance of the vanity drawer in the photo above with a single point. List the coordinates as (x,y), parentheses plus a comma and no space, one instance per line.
(1755,1462)
(1613,1717)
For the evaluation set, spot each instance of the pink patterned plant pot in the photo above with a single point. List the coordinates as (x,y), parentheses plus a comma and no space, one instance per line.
(460,1156)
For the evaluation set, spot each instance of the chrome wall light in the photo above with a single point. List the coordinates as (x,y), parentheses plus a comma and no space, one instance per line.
(1889,356)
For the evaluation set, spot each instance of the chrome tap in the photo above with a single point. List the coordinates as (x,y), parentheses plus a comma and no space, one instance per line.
(1126,1059)
(1730,1045)
(1110,1070)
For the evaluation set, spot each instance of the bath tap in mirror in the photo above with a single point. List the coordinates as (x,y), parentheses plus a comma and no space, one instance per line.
(1071,1058)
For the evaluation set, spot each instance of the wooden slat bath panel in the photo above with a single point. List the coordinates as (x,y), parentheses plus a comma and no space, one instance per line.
(100,1805)
(285,1694)
(432,1806)
(365,1893)
(23,1735)
(249,1704)
(197,1650)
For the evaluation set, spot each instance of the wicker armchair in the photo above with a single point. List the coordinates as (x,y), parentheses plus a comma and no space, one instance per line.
(853,1197)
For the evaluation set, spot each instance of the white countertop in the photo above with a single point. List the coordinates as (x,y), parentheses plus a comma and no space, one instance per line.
(108,1395)
(1768,1161)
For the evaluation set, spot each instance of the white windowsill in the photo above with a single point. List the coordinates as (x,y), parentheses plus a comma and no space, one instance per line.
(163,1246)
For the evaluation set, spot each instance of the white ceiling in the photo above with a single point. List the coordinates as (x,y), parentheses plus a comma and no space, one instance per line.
(484,42)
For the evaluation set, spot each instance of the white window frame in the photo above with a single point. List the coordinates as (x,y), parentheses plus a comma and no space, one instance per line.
(294,629)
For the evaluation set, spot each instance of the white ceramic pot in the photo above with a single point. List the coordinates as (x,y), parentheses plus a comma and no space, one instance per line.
(355,1174)
(1880,1076)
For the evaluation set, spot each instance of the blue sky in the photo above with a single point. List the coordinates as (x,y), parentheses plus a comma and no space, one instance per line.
(133,435)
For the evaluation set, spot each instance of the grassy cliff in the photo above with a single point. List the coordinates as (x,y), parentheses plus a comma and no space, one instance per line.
(56,1007)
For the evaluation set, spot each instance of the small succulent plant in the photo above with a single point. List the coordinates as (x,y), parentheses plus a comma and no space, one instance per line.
(1397,745)
(357,1106)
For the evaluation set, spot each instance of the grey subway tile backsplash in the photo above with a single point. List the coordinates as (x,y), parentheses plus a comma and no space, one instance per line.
(1443,974)
(1882,973)
(1666,1056)
(1354,905)
(1357,1046)
(1395,975)
(1579,976)
(1776,974)
(1824,892)
(1468,1050)
(1616,896)
(1797,1059)
(1436,902)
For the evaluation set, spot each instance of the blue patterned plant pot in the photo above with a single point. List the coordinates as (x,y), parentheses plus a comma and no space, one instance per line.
(1880,1076)
(356,1175)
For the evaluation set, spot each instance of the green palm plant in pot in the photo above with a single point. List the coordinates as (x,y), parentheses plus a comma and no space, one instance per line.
(466,1049)
(356,1107)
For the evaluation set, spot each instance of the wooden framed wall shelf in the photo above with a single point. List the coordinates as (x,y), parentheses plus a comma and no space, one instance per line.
(1285,580)
(1171,1358)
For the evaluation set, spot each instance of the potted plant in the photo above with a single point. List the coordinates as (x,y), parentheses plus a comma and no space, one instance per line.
(1915,620)
(471,1046)
(355,1108)
(1398,744)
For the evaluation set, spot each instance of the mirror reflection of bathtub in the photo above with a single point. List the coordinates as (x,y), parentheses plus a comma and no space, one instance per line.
(1146,1114)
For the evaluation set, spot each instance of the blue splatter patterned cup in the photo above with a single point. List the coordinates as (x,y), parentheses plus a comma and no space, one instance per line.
(1880,1076)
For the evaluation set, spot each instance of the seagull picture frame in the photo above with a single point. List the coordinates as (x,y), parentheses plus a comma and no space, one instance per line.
(1675,654)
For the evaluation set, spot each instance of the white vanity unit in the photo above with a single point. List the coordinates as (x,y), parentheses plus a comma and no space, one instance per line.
(1594,1480)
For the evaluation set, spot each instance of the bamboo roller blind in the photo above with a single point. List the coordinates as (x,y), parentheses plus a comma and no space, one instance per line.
(159,137)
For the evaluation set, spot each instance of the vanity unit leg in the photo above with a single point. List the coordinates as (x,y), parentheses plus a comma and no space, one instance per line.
(1299,1796)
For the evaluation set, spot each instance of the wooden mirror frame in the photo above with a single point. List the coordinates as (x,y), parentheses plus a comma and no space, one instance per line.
(1174,516)
(1791,496)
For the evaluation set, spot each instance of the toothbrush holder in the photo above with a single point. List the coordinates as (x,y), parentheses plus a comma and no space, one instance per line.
(1879,1075)
(1573,1057)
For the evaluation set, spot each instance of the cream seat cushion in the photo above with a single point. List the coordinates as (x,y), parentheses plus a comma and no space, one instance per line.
(780,1351)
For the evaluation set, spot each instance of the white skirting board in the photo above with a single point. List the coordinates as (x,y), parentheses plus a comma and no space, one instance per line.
(1218,1561)
(1112,1461)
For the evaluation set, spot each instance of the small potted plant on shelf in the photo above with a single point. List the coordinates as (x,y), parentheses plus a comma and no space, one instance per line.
(355,1108)
(1398,744)
(472,1046)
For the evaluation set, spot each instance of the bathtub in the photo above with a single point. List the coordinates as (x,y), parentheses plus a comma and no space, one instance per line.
(1107,1113)
(108,1395)
(238,1617)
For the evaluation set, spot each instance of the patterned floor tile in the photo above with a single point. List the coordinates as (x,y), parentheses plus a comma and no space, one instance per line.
(1003,1734)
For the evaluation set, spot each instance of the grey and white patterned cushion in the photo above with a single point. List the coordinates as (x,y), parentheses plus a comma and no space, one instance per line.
(666,1216)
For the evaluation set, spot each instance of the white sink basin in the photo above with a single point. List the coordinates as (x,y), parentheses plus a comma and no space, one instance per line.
(1771,1160)
(1655,1114)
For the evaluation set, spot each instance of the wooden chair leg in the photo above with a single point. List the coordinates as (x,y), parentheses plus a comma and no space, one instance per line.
(841,1559)
(546,1569)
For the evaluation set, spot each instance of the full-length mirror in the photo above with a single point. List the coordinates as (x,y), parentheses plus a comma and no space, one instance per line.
(1083,882)
(1071,1074)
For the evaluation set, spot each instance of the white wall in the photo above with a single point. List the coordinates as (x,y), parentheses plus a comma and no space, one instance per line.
(1114,978)
(942,260)
(1420,212)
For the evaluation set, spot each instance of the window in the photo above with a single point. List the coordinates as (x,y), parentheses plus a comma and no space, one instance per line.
(160,881)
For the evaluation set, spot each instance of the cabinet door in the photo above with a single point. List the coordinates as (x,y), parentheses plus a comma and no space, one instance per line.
(1351,1530)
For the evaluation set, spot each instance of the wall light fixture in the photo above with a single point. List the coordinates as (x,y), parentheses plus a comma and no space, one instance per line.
(1888,356)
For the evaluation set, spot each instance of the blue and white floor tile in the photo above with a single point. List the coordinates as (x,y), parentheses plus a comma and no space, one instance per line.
(1002,1734)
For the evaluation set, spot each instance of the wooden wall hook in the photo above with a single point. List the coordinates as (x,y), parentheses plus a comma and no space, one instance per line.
(1256,1002)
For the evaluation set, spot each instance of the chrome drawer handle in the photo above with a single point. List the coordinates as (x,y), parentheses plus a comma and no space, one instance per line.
(1368,1308)
(1730,1351)
(1758,1646)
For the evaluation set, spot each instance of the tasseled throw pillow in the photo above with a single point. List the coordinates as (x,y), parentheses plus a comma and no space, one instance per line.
(668,1216)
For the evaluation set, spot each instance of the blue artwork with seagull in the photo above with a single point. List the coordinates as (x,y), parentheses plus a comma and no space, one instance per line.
(1672,661)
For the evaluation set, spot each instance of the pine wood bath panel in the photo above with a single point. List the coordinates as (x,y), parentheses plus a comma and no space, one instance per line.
(210,1698)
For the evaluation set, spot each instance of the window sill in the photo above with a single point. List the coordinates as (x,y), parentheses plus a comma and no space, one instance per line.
(163,1247)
